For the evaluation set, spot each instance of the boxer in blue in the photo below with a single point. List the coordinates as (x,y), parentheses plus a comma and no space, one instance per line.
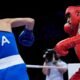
(12,67)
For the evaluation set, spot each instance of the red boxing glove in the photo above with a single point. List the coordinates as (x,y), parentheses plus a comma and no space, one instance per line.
(68,29)
(62,47)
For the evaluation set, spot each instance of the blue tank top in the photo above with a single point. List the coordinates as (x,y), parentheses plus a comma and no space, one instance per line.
(8,45)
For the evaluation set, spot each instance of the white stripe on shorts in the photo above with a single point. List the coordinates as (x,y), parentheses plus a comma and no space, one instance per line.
(10,61)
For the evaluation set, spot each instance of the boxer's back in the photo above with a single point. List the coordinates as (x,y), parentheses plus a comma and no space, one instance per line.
(8,45)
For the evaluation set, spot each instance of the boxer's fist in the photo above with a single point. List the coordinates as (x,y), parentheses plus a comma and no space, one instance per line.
(63,46)
(68,29)
(26,38)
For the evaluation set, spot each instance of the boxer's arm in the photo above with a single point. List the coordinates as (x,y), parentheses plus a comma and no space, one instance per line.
(26,38)
(27,22)
(63,46)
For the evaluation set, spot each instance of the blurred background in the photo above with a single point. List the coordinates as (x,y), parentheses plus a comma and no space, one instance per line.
(49,21)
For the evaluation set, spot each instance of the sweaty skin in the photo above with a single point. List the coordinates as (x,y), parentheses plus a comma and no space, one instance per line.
(8,23)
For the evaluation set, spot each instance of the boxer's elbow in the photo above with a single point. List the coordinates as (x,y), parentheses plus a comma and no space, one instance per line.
(30,21)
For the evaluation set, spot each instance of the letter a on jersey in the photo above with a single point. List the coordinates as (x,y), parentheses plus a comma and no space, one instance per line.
(5,40)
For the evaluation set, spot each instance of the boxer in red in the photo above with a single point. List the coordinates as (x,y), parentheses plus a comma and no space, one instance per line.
(72,27)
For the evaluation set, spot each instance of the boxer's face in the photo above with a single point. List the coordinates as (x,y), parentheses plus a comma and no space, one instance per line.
(69,20)
(68,17)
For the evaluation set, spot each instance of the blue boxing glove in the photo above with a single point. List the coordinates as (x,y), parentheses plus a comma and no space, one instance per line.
(26,38)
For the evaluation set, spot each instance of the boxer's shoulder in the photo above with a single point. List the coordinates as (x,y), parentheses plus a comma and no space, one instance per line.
(5,25)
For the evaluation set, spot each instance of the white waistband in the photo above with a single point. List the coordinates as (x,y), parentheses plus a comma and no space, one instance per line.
(10,61)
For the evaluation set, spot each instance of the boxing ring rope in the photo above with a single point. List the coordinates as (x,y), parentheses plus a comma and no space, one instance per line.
(40,66)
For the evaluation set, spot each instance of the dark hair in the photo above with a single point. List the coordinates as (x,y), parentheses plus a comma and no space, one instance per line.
(49,55)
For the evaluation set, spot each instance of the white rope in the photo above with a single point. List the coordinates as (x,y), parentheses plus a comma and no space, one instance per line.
(40,66)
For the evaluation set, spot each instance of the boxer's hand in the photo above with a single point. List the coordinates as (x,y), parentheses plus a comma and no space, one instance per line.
(63,46)
(26,38)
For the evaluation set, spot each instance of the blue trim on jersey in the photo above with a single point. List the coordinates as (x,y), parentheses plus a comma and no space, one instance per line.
(17,72)
(7,49)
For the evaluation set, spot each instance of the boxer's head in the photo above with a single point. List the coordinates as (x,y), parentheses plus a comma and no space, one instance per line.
(73,16)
